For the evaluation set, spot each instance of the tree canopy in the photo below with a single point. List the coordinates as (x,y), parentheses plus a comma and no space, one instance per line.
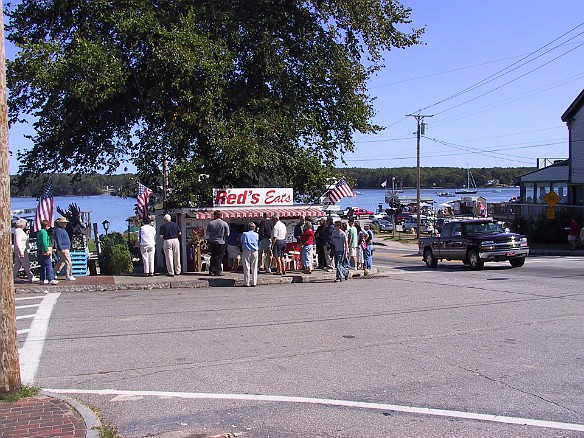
(252,93)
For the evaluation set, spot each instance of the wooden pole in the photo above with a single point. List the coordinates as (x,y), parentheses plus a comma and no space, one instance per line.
(9,363)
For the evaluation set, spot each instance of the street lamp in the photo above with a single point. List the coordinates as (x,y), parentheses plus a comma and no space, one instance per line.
(105,224)
(129,221)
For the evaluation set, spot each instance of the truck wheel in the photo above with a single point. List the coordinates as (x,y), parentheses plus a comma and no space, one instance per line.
(473,259)
(517,263)
(431,261)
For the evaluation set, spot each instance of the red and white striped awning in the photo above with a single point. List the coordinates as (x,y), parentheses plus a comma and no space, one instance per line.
(283,212)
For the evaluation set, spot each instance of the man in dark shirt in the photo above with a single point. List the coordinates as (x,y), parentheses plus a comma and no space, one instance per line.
(329,252)
(217,233)
(265,253)
(170,232)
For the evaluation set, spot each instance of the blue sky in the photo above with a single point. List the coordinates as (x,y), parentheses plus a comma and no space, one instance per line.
(512,119)
(519,117)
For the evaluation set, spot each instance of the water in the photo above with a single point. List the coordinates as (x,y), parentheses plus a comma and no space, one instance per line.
(371,198)
(116,210)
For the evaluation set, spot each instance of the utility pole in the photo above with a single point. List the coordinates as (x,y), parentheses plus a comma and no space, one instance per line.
(421,127)
(9,364)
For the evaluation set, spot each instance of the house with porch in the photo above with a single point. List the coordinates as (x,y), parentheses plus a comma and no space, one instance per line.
(564,176)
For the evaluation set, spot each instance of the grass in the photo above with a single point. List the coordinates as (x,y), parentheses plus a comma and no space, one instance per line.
(23,392)
(108,432)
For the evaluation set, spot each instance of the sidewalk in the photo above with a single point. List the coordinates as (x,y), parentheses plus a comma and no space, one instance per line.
(98,283)
(47,416)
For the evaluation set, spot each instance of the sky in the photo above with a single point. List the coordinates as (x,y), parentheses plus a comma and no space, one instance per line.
(496,77)
(527,75)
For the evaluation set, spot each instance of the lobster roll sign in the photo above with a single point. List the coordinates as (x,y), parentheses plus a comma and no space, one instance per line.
(255,197)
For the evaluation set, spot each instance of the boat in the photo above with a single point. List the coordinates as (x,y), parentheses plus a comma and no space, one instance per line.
(445,194)
(471,186)
(357,193)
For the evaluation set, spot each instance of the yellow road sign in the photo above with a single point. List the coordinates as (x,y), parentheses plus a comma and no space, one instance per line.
(550,213)
(551,198)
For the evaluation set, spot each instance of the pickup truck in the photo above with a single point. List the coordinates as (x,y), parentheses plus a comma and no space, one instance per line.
(474,242)
(355,212)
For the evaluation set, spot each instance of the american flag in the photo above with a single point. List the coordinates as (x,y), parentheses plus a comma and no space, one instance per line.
(45,209)
(144,194)
(341,190)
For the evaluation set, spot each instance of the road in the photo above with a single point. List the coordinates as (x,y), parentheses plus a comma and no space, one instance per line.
(416,352)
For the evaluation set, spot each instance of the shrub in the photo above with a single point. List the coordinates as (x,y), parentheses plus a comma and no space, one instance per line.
(115,258)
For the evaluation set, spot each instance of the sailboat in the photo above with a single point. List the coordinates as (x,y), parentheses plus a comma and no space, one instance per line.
(471,186)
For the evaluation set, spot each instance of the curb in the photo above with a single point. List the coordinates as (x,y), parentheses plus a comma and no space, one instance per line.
(193,284)
(92,422)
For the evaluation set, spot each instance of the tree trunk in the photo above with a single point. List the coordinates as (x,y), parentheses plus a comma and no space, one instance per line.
(9,364)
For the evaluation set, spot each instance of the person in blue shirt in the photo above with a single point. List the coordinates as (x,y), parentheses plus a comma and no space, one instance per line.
(250,244)
(63,249)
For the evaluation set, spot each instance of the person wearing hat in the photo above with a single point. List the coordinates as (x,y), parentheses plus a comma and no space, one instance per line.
(63,247)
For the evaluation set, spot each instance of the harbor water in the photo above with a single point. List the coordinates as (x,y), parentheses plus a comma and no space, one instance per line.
(116,210)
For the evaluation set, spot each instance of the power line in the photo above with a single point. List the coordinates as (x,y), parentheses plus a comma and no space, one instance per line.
(506,70)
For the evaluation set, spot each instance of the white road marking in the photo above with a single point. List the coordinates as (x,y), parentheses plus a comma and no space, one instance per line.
(28,306)
(32,315)
(38,297)
(23,331)
(30,353)
(331,402)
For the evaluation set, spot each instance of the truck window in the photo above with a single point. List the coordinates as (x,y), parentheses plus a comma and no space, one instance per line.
(447,230)
(456,230)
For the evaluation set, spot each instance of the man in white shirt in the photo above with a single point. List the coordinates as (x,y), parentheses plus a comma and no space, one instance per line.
(148,246)
(279,244)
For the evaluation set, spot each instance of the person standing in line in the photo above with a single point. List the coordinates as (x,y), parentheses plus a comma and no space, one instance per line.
(265,235)
(233,248)
(148,246)
(339,239)
(307,240)
(217,234)
(45,254)
(320,244)
(279,245)
(369,247)
(353,242)
(63,249)
(21,251)
(361,235)
(329,250)
(574,231)
(170,232)
(299,230)
(250,245)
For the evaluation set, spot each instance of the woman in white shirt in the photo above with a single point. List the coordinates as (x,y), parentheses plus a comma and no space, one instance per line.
(21,250)
(148,246)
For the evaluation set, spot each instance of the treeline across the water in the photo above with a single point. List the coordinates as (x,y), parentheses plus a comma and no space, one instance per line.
(440,177)
(361,178)
(79,185)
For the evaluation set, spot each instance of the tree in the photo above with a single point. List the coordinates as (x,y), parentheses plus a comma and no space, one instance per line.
(249,92)
(9,363)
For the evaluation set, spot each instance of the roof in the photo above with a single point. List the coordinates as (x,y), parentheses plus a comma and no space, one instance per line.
(290,211)
(573,108)
(555,172)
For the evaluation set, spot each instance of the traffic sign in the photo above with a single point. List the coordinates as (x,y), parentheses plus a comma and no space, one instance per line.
(551,198)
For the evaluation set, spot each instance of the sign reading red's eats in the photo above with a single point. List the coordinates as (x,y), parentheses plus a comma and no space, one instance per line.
(255,197)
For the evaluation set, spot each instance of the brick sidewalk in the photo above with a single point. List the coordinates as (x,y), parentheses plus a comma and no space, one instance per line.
(40,416)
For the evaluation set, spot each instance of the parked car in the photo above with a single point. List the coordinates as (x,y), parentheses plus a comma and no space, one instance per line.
(474,242)
(411,224)
(355,212)
(385,225)
(401,218)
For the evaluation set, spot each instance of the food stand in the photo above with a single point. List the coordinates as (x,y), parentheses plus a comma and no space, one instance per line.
(238,206)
